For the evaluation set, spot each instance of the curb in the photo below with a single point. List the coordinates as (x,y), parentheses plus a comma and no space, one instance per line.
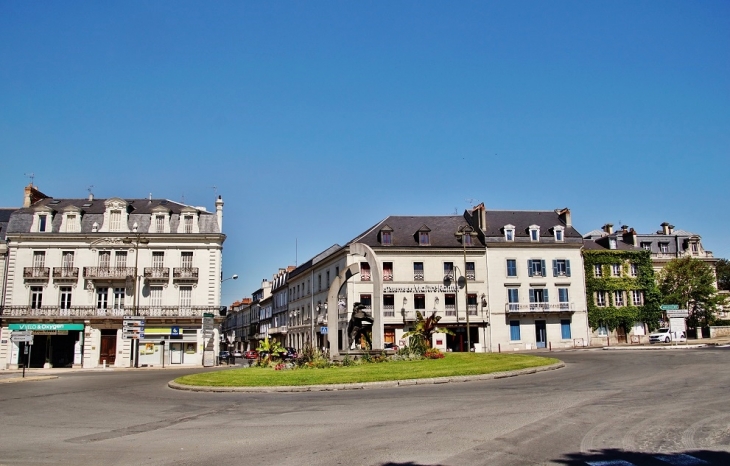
(367,385)
(652,348)
(28,379)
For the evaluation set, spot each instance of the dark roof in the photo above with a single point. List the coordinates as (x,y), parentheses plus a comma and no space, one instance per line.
(5,219)
(522,220)
(602,244)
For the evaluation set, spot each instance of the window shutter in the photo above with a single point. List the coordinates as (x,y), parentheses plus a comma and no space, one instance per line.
(555,268)
(529,267)
(567,268)
(542,266)
(532,296)
(545,295)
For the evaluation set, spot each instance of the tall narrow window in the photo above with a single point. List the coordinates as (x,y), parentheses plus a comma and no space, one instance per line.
(39,259)
(423,238)
(618,298)
(118,299)
(449,270)
(616,270)
(319,282)
(597,270)
(600,298)
(42,223)
(470,271)
(466,239)
(418,271)
(387,271)
(328,279)
(509,233)
(386,238)
(634,270)
(366,300)
(120,259)
(67,260)
(158,259)
(563,298)
(419,302)
(364,272)
(514,330)
(188,224)
(105,258)
(102,298)
(36,297)
(450,304)
(513,299)
(65,303)
(565,329)
(186,259)
(156,297)
(186,297)
(160,223)
(388,305)
(70,223)
(511,267)
(115,220)
(637,297)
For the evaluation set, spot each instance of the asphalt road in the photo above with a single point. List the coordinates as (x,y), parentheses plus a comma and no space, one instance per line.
(641,407)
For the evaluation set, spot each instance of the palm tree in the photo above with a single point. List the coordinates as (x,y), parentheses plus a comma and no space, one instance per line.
(271,349)
(420,336)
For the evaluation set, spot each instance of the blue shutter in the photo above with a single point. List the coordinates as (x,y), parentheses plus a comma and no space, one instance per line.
(545,295)
(514,330)
(542,265)
(529,267)
(555,268)
(567,268)
(565,329)
(532,295)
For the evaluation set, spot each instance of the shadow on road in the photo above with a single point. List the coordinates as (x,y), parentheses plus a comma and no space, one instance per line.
(615,456)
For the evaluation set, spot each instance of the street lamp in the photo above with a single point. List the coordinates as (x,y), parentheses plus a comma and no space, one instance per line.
(233,277)
(466,233)
(136,241)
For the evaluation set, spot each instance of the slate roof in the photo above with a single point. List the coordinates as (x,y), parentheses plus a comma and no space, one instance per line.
(5,219)
(140,211)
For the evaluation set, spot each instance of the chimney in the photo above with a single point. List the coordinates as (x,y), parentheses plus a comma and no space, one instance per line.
(608,228)
(91,196)
(665,228)
(32,195)
(624,229)
(634,238)
(671,229)
(564,215)
(219,212)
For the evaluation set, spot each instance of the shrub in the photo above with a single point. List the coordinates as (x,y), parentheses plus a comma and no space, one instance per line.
(434,353)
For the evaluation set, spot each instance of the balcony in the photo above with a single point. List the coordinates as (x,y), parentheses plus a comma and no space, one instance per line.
(93,311)
(157,274)
(36,274)
(409,315)
(450,310)
(113,273)
(322,320)
(185,275)
(418,276)
(388,310)
(472,309)
(70,274)
(538,308)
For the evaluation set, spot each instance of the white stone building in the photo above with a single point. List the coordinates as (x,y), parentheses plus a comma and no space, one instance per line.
(76,267)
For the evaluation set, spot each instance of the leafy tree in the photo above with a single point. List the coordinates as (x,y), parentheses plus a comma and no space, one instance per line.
(271,349)
(690,283)
(723,274)
(420,336)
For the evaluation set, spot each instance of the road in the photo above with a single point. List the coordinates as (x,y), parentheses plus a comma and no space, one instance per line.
(603,407)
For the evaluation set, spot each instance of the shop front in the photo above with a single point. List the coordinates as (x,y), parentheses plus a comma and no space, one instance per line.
(55,345)
(174,345)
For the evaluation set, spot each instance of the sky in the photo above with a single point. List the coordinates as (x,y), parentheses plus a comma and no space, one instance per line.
(316,120)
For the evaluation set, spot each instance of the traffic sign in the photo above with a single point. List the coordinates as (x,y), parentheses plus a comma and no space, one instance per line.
(678,313)
(669,307)
(323,330)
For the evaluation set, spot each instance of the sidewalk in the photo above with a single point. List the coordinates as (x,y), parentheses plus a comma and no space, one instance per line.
(689,344)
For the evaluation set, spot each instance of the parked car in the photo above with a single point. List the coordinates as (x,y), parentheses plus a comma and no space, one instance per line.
(251,354)
(237,354)
(666,335)
(390,346)
(224,356)
(291,354)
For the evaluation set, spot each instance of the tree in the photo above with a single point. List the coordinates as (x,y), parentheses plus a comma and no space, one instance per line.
(690,283)
(723,274)
(270,349)
(420,336)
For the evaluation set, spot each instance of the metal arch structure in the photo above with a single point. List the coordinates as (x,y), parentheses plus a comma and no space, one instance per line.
(333,317)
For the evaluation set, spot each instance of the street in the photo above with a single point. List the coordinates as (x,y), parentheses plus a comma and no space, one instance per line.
(632,406)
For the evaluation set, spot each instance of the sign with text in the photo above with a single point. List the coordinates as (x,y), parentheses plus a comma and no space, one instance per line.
(678,313)
(47,327)
(669,307)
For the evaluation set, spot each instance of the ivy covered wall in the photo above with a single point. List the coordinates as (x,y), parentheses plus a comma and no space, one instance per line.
(613,316)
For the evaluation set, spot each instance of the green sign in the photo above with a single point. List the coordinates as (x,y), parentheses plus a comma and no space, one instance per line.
(46,327)
(669,307)
(208,314)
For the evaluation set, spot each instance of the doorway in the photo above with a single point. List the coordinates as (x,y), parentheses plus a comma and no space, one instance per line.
(540,334)
(176,352)
(108,347)
(621,334)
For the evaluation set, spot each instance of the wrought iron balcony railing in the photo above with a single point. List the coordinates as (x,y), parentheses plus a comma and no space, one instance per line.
(157,273)
(36,273)
(539,307)
(388,310)
(185,274)
(108,272)
(65,273)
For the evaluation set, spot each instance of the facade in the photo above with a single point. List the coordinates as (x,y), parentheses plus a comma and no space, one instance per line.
(280,310)
(4,220)
(76,267)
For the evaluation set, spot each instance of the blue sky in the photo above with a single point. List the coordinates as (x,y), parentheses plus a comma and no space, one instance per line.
(315,120)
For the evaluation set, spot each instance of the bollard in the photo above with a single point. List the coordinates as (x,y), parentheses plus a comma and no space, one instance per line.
(104,363)
(499,347)
(550,346)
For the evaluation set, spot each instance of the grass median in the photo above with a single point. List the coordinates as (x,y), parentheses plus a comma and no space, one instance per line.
(454,364)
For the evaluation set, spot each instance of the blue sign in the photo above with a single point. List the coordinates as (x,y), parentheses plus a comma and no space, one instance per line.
(323,330)
(175,331)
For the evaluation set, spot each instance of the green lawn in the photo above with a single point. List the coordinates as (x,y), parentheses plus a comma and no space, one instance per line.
(453,364)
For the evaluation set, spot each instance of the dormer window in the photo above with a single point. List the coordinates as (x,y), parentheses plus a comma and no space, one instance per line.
(423,236)
(115,220)
(611,243)
(188,223)
(509,232)
(71,220)
(534,233)
(386,236)
(115,216)
(558,233)
(466,239)
(159,223)
(42,220)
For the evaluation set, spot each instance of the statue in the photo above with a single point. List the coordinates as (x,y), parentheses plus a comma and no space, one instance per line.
(357,326)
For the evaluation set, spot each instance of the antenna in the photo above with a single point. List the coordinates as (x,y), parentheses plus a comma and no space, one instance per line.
(215,190)
(90,188)
(472,202)
(182,198)
(31,176)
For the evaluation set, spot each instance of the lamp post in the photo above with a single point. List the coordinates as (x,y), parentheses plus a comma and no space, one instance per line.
(465,233)
(136,241)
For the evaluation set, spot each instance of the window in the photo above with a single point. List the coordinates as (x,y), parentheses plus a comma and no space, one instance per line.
(105,259)
(600,298)
(634,270)
(466,240)
(319,282)
(39,259)
(558,232)
(602,330)
(419,302)
(388,305)
(449,270)
(513,298)
(102,298)
(509,232)
(423,239)
(695,247)
(156,297)
(616,270)
(160,223)
(118,299)
(364,273)
(115,220)
(387,271)
(538,298)
(186,297)
(67,259)
(470,272)
(158,259)
(565,329)
(366,300)
(450,304)
(561,268)
(618,298)
(188,224)
(70,225)
(514,330)
(536,267)
(418,271)
(386,238)
(563,298)
(328,279)
(664,248)
(534,233)
(646,246)
(121,259)
(511,267)
(186,259)
(611,243)
(42,222)
(637,297)
(65,297)
(36,297)
(598,270)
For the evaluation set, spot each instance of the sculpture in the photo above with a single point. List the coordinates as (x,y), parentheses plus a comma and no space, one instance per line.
(357,327)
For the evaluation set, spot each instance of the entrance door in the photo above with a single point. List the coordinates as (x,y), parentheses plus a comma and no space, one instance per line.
(540,333)
(621,334)
(176,352)
(108,350)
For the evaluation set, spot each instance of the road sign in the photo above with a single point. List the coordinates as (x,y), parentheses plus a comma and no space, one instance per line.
(678,313)
(323,330)
(669,307)
(22,336)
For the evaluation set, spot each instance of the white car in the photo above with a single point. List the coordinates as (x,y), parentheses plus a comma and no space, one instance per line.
(666,335)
